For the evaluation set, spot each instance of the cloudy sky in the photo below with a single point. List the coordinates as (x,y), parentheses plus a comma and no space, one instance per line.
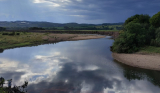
(80,11)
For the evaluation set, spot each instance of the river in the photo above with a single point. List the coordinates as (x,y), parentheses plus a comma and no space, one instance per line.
(84,66)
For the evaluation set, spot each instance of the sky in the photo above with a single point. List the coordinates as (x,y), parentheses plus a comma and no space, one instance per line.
(79,11)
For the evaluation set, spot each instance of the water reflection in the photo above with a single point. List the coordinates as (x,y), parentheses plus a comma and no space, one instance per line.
(133,73)
(70,79)
(1,50)
(84,66)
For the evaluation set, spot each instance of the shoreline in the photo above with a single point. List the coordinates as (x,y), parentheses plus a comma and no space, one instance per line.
(52,38)
(86,37)
(145,61)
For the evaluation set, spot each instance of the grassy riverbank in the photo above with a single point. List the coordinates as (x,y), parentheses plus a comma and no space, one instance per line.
(149,50)
(20,39)
(23,39)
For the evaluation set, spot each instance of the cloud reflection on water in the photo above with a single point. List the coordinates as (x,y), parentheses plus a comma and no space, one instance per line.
(67,67)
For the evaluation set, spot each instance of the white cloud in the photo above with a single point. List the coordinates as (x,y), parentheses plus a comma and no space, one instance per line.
(39,1)
(48,3)
(87,68)
(79,0)
(8,63)
(77,15)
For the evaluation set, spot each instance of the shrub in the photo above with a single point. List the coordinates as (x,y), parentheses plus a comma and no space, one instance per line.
(13,33)
(17,33)
(4,33)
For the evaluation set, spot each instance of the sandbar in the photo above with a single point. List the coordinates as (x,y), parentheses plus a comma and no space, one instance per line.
(146,61)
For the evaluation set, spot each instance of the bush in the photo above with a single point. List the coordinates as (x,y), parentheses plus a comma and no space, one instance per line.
(4,33)
(17,33)
(13,33)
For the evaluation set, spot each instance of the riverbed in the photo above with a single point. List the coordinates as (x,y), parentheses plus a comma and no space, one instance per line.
(84,66)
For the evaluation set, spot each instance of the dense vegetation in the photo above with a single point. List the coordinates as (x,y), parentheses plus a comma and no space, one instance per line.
(138,31)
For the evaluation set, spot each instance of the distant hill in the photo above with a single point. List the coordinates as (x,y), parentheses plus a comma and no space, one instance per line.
(29,24)
(38,24)
(48,25)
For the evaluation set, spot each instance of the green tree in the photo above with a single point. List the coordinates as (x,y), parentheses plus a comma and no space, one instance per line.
(131,39)
(143,19)
(36,28)
(158,33)
(150,35)
(155,20)
(156,41)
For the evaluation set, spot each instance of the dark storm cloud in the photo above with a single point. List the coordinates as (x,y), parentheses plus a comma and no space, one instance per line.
(81,11)
(114,9)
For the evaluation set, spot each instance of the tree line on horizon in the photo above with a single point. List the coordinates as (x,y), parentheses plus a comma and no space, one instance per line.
(138,31)
(102,27)
(27,25)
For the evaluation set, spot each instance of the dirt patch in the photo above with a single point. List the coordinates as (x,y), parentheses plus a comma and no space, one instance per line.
(146,61)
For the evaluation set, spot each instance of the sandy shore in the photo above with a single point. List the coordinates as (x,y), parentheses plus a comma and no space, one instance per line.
(72,37)
(147,61)
(83,37)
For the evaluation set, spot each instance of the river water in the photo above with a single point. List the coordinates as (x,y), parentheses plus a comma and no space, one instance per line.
(84,66)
